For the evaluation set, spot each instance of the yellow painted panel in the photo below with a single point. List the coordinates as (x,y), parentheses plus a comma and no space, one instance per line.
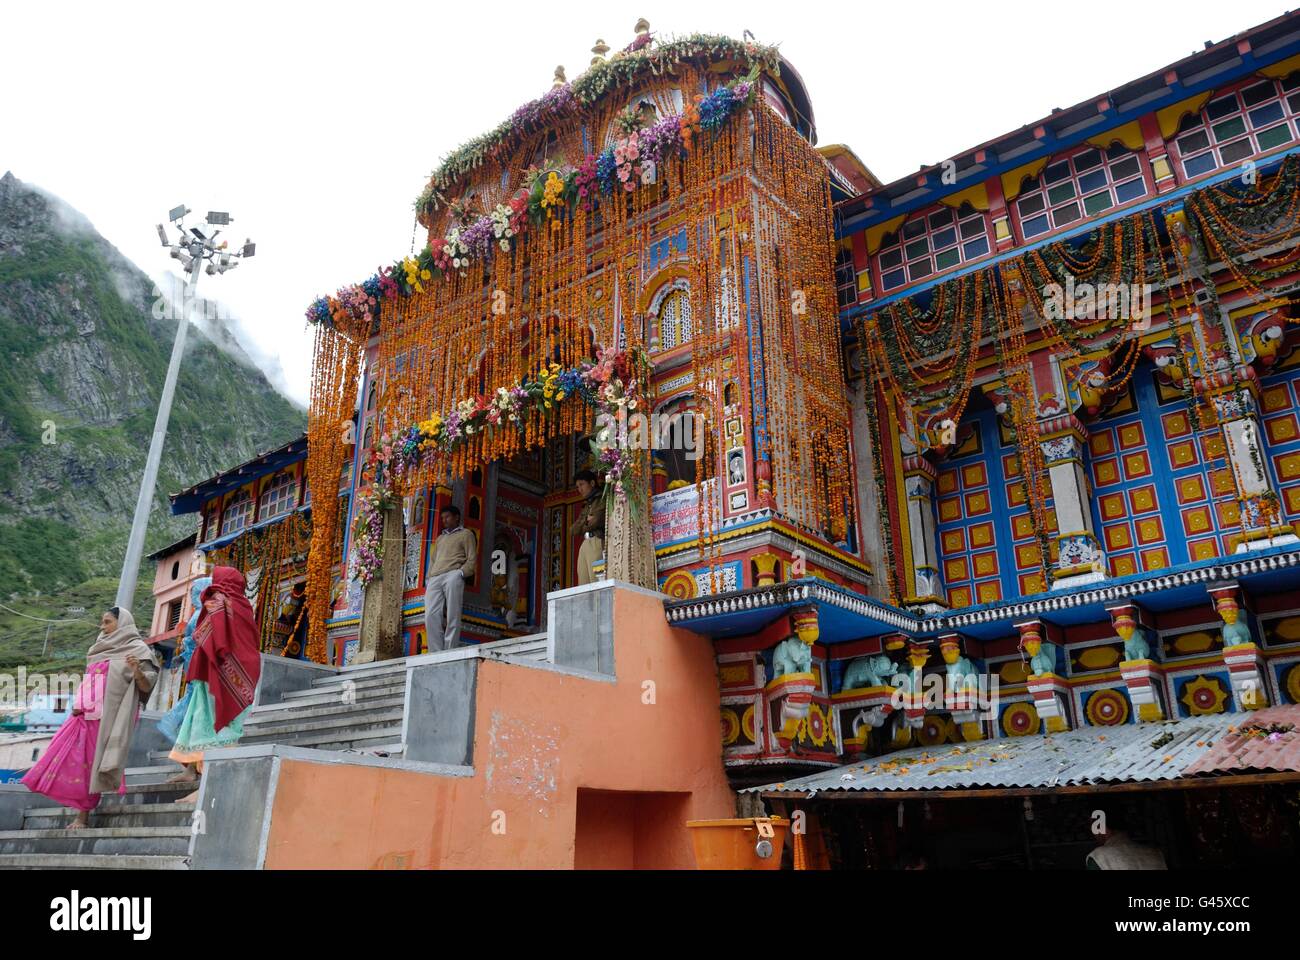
(1171,116)
(1129,134)
(977,196)
(1012,180)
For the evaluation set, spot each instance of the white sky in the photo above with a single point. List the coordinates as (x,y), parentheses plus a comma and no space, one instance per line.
(316,124)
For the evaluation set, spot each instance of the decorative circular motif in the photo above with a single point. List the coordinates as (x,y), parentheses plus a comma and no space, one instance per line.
(730,726)
(932,731)
(680,585)
(1107,708)
(1292,683)
(747,724)
(1204,695)
(818,728)
(1020,720)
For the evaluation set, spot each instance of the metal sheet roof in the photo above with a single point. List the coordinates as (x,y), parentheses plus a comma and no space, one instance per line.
(1256,749)
(1093,755)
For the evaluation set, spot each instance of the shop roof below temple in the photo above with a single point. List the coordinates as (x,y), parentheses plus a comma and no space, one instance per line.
(1072,761)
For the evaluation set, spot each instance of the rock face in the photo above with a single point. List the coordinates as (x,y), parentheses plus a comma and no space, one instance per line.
(85,353)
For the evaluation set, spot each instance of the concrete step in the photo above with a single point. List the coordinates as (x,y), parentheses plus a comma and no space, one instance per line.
(87,861)
(116,815)
(367,672)
(359,683)
(335,739)
(531,650)
(335,694)
(131,841)
(282,712)
(391,751)
(148,793)
(154,774)
(348,720)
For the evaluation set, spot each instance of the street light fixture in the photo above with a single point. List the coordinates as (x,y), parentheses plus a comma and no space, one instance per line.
(194,249)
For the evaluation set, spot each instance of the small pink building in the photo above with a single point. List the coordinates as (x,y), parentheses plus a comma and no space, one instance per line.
(178,565)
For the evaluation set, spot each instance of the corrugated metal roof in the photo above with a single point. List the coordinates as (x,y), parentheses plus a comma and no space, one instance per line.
(1092,755)
(1252,746)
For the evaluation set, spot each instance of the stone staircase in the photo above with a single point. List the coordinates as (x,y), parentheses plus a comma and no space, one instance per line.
(357,709)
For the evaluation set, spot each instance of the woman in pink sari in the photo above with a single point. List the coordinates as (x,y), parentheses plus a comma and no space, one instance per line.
(88,754)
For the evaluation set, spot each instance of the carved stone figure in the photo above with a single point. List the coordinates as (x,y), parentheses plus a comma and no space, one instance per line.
(868,672)
(791,655)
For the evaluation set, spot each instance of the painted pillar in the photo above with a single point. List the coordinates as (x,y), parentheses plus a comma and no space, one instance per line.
(919,474)
(961,689)
(1080,558)
(1050,691)
(1263,522)
(1241,654)
(1157,151)
(381,614)
(1141,675)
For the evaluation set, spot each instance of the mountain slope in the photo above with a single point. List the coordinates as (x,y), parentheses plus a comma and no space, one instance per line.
(85,357)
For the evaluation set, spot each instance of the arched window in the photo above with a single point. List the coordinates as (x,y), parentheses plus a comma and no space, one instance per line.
(678,441)
(932,243)
(675,320)
(277,498)
(238,512)
(1078,186)
(176,569)
(1245,122)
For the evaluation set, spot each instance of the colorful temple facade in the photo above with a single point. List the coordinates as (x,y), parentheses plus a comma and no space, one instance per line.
(1005,448)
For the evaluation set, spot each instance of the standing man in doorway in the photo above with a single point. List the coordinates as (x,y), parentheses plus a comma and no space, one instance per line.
(591,524)
(455,558)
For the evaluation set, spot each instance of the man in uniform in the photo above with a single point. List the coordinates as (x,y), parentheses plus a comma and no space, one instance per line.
(455,557)
(591,524)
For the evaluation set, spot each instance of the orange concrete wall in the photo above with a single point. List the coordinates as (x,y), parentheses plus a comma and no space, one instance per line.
(539,738)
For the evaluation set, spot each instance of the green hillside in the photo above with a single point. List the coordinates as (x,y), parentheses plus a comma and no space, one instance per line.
(85,360)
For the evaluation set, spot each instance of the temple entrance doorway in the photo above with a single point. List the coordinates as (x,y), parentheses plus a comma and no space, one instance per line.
(522,513)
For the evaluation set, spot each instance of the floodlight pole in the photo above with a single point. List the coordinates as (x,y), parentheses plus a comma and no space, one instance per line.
(139,524)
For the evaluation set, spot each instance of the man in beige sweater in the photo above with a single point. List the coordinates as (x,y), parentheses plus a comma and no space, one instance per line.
(455,558)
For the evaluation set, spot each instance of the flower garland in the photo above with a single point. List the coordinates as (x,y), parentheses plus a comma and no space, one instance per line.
(565,101)
(612,383)
(548,197)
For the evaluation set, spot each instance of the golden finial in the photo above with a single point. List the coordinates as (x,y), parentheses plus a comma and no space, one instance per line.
(598,52)
(642,27)
(559,77)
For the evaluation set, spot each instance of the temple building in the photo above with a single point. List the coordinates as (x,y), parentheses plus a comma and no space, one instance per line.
(957,514)
(1002,451)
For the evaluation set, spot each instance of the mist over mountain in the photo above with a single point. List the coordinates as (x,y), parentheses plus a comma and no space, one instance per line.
(86,343)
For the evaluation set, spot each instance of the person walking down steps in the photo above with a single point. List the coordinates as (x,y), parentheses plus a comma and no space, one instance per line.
(88,755)
(222,675)
(455,558)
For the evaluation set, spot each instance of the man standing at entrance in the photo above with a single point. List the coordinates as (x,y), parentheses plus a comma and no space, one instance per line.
(591,524)
(455,557)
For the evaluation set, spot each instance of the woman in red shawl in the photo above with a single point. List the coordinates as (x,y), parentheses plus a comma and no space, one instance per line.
(223,672)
